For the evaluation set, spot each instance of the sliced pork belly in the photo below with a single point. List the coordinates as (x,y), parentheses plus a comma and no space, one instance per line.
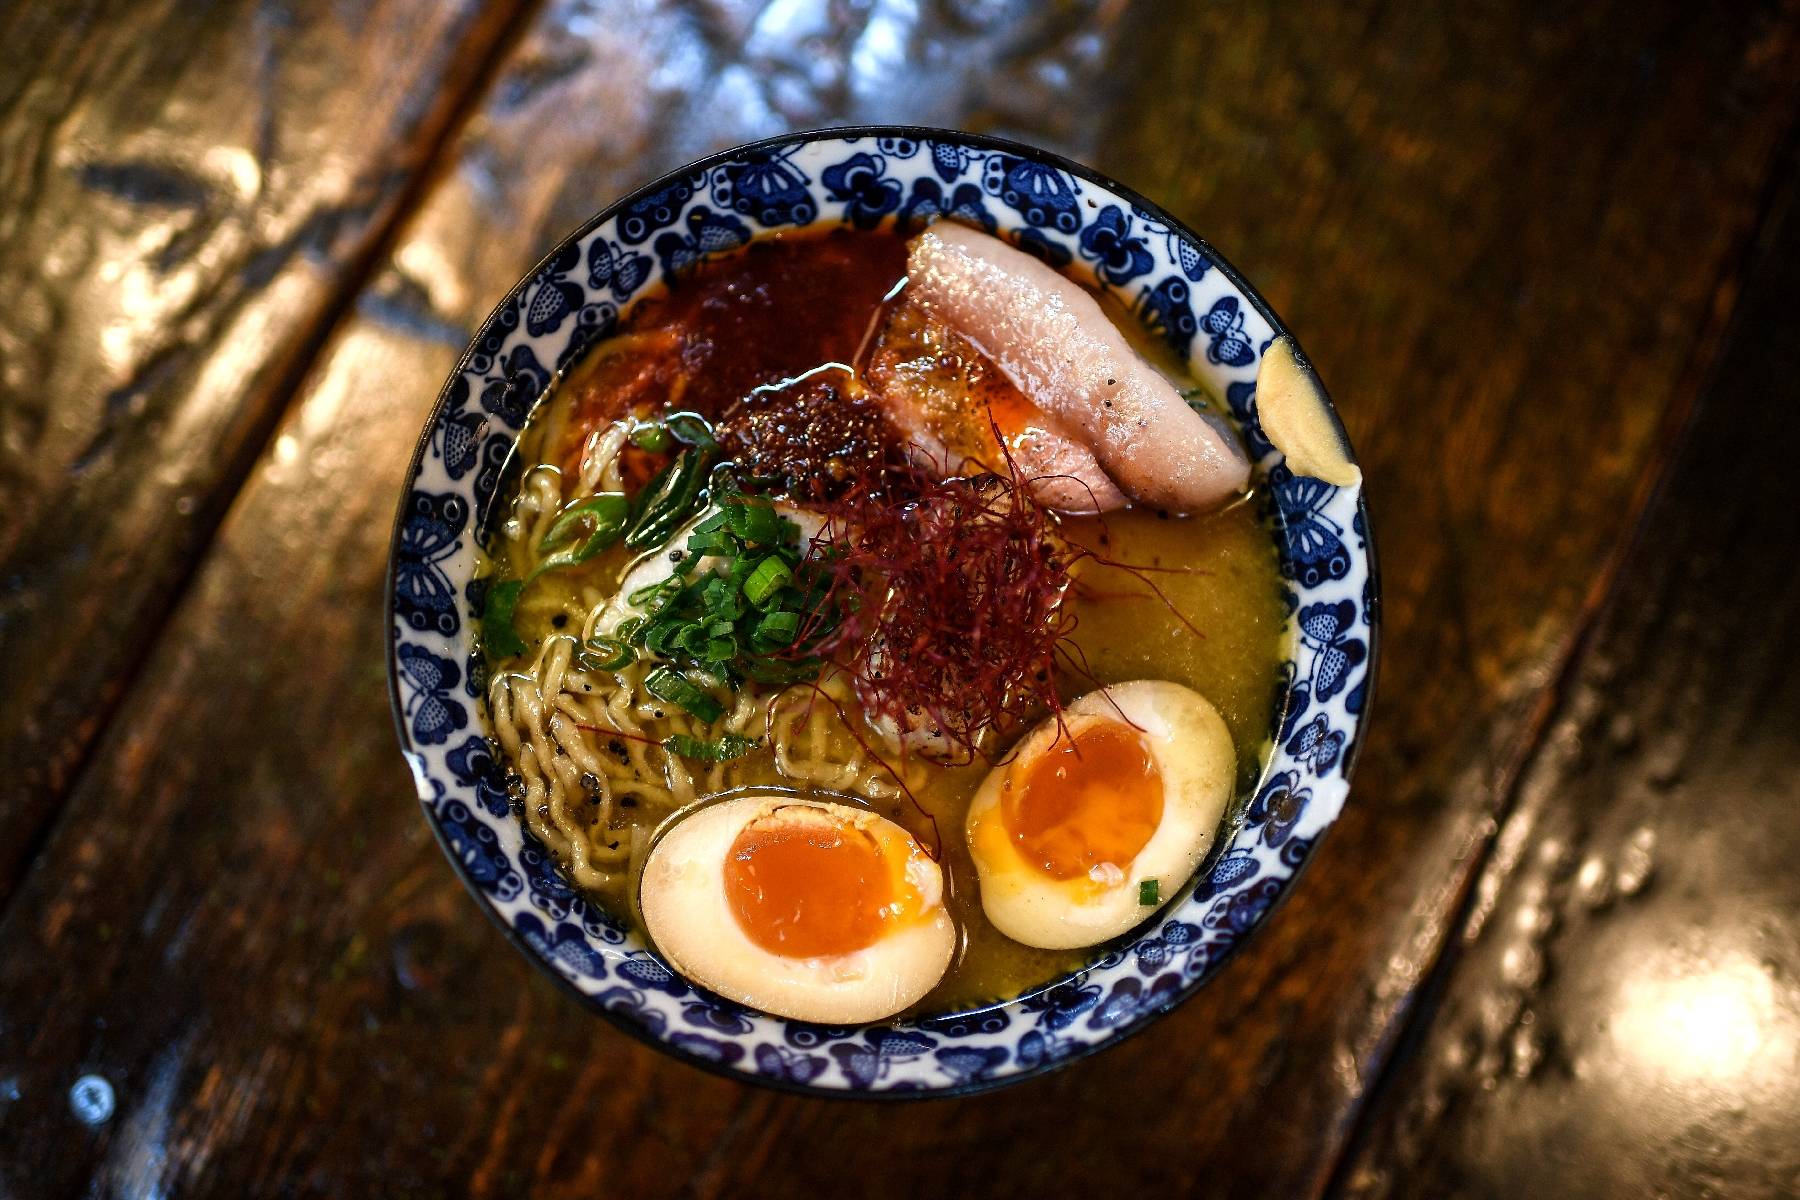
(1054,343)
(957,411)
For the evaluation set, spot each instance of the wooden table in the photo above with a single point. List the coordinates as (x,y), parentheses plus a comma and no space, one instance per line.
(1548,258)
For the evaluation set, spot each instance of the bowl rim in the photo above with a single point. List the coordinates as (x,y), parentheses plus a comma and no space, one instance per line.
(1152,1014)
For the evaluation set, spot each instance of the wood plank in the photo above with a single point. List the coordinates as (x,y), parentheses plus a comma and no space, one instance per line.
(1622,1014)
(186,194)
(298,996)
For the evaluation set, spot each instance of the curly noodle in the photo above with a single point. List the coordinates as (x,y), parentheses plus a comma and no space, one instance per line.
(587,745)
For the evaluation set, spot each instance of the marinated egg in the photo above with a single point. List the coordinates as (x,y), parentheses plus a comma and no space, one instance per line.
(1091,826)
(803,909)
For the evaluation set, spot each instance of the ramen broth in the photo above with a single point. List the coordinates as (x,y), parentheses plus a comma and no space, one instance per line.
(733,341)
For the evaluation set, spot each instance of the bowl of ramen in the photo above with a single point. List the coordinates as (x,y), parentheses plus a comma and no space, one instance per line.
(881,611)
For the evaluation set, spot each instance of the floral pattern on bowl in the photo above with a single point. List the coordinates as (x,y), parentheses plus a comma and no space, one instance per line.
(1072,218)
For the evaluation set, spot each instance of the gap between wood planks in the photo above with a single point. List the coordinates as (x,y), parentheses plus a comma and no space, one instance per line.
(1776,204)
(513,18)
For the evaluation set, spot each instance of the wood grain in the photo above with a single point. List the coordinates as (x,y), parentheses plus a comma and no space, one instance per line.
(1622,1014)
(1509,237)
(314,1006)
(186,194)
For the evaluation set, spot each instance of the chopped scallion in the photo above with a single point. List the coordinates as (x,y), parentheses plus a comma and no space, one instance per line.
(666,683)
(669,500)
(779,628)
(497,631)
(653,438)
(1149,892)
(755,521)
(692,429)
(592,525)
(605,654)
(659,638)
(713,524)
(700,544)
(579,520)
(651,596)
(766,579)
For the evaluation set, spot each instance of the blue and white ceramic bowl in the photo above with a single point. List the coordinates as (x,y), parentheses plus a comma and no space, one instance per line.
(1102,233)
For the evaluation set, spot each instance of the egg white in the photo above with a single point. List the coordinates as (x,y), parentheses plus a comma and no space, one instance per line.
(689,917)
(1192,749)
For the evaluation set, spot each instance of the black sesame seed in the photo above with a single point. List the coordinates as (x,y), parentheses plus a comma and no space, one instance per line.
(559,620)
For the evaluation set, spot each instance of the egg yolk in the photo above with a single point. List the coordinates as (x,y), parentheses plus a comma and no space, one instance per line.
(1093,798)
(808,888)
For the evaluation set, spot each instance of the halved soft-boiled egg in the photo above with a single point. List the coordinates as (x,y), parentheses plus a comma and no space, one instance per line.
(1093,824)
(803,909)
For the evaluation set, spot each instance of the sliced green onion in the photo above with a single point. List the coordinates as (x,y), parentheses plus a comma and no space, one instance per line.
(497,632)
(779,628)
(605,654)
(701,544)
(652,596)
(585,518)
(755,521)
(691,428)
(723,749)
(767,579)
(713,524)
(725,484)
(659,638)
(1149,892)
(598,522)
(666,683)
(663,506)
(721,599)
(659,483)
(653,438)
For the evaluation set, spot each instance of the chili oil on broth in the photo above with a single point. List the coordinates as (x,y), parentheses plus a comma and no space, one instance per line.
(720,340)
